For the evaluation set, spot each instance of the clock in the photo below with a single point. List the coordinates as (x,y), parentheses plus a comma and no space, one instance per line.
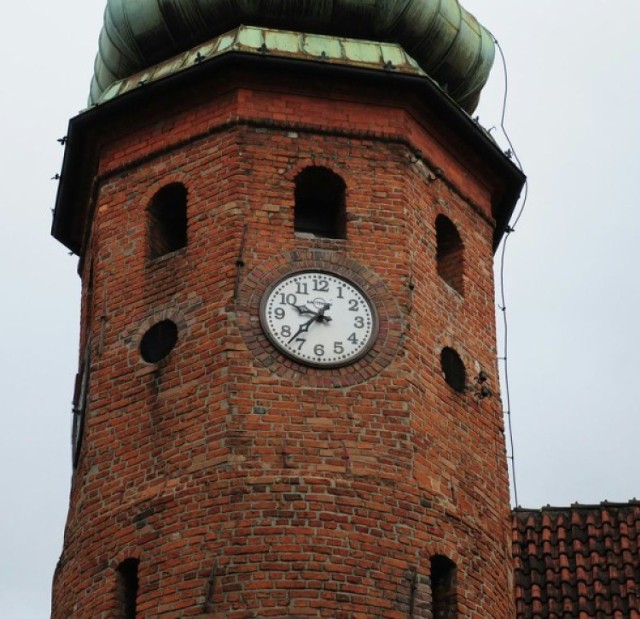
(318,318)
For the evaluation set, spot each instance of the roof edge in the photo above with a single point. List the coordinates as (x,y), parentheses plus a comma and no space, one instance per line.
(78,169)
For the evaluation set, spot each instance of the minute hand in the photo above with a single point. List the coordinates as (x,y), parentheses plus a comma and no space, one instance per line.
(304,327)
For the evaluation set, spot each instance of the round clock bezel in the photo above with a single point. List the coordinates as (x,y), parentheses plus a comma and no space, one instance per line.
(329,365)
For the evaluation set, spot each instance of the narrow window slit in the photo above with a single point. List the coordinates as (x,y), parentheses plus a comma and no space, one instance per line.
(443,588)
(127,588)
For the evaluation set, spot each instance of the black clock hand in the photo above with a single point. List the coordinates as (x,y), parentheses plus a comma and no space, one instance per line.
(317,317)
(320,317)
(304,327)
(302,309)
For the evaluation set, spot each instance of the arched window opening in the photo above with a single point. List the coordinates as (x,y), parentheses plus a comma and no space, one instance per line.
(320,203)
(127,588)
(449,253)
(443,588)
(453,369)
(167,220)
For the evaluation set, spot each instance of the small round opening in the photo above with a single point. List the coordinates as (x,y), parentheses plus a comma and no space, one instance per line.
(453,369)
(159,341)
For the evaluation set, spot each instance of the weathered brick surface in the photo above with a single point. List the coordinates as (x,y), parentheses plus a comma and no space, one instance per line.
(247,485)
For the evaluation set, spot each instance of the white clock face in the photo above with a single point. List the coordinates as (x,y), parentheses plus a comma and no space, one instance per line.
(318,318)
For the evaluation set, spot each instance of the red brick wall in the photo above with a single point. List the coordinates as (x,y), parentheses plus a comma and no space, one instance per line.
(249,486)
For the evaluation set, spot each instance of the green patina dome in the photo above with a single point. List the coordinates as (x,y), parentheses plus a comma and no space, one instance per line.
(444,39)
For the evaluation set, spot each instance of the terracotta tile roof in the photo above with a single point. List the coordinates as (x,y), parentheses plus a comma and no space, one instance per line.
(579,561)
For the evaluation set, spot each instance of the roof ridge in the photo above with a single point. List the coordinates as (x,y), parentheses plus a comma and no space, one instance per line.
(576,506)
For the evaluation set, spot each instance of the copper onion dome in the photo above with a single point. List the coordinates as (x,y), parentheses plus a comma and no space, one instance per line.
(446,41)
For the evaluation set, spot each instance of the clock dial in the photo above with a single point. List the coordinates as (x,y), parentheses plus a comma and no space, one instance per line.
(318,318)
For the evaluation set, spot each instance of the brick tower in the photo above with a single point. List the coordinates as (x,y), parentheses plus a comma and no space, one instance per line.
(287,398)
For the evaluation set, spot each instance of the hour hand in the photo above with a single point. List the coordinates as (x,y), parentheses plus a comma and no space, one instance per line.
(302,309)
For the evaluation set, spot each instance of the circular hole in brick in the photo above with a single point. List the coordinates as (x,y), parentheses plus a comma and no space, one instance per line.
(453,369)
(159,341)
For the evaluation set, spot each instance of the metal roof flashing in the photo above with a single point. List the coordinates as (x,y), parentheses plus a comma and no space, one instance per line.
(315,48)
(445,40)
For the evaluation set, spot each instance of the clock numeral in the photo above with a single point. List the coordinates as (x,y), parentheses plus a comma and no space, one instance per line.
(320,285)
(358,323)
(340,295)
(300,342)
(318,350)
(353,305)
(288,299)
(353,339)
(279,313)
(285,331)
(338,348)
(302,288)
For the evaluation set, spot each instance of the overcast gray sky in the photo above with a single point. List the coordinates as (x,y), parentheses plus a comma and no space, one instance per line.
(572,285)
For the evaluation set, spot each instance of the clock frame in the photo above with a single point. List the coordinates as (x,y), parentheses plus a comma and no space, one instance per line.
(319,318)
(254,286)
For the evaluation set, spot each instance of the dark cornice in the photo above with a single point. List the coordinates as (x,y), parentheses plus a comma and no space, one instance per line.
(79,170)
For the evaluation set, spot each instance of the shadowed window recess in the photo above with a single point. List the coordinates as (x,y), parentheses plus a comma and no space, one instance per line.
(443,588)
(167,220)
(453,369)
(158,341)
(127,589)
(449,253)
(320,203)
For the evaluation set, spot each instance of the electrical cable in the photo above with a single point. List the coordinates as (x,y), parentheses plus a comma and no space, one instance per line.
(503,305)
(512,150)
